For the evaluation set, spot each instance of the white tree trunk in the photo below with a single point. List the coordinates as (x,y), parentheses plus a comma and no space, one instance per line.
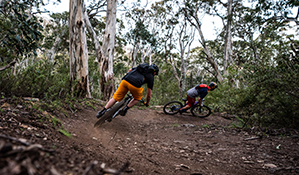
(94,37)
(147,53)
(228,38)
(209,57)
(52,51)
(134,54)
(107,84)
(78,49)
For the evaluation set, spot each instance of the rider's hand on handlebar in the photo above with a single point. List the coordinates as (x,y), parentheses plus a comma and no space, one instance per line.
(144,102)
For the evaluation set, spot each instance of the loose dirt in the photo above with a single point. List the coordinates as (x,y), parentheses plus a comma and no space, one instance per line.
(145,141)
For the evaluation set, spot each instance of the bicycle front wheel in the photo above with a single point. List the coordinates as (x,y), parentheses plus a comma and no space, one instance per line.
(108,115)
(172,107)
(201,111)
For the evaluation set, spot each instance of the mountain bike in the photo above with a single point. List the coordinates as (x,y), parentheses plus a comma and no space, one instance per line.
(198,110)
(114,110)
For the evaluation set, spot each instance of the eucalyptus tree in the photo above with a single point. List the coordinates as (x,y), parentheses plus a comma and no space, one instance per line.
(193,9)
(94,25)
(107,83)
(56,35)
(177,36)
(141,35)
(264,48)
(78,49)
(102,30)
(257,28)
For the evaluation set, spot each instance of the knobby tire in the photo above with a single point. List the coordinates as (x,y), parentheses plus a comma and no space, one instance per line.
(201,111)
(172,107)
(108,115)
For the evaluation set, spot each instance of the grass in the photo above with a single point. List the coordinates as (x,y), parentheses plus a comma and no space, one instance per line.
(64,132)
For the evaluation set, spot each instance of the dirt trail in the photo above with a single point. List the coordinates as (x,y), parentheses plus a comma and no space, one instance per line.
(150,141)
(155,143)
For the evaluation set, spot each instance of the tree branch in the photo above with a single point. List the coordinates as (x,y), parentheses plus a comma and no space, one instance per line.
(9,65)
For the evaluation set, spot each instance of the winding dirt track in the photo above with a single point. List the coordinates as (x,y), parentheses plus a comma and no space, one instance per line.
(155,143)
(146,140)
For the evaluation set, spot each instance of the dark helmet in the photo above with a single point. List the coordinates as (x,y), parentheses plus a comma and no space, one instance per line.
(154,68)
(213,86)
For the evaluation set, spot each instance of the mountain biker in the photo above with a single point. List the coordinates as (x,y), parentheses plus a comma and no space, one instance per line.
(133,82)
(200,91)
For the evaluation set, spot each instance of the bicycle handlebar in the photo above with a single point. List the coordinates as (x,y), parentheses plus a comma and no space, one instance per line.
(142,101)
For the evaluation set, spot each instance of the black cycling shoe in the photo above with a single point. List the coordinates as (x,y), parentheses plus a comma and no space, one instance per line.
(181,111)
(124,111)
(101,113)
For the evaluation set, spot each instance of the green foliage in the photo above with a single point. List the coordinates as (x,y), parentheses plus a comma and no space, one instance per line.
(239,123)
(165,87)
(55,121)
(175,125)
(40,79)
(90,105)
(205,126)
(64,132)
(19,31)
(270,98)
(94,77)
(57,27)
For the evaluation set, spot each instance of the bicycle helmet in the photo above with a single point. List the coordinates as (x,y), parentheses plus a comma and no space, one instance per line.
(154,68)
(213,86)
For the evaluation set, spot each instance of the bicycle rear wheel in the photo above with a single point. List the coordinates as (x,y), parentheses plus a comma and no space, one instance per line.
(108,115)
(172,107)
(201,111)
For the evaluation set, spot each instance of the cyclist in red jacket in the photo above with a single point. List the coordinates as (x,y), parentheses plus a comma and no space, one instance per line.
(200,91)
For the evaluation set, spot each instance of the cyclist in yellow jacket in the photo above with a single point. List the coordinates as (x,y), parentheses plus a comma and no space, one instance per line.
(133,81)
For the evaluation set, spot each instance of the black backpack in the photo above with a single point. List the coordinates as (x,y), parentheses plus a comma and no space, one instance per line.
(143,68)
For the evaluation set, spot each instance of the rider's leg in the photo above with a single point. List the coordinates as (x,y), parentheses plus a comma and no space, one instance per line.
(110,103)
(189,104)
(133,102)
(137,96)
(117,96)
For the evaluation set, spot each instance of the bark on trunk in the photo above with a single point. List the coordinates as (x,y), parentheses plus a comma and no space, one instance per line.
(107,83)
(78,49)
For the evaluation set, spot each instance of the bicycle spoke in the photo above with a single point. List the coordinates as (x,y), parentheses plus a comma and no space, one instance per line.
(172,107)
(201,111)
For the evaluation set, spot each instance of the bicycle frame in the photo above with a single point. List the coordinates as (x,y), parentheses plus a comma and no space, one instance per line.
(196,102)
(127,101)
(198,110)
(114,110)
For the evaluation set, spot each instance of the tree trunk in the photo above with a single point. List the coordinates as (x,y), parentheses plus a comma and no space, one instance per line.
(107,84)
(209,57)
(228,38)
(52,51)
(94,37)
(78,49)
(134,54)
